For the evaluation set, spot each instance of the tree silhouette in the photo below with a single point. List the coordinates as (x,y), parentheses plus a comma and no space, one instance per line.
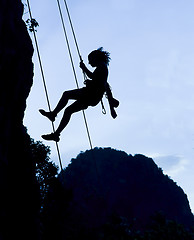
(46,170)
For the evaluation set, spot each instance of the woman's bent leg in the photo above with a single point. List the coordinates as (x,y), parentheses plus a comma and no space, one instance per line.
(75,107)
(67,95)
(75,94)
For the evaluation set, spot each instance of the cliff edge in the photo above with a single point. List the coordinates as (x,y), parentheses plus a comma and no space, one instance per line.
(19,193)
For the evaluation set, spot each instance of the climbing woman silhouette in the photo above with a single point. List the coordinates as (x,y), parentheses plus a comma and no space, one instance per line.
(90,95)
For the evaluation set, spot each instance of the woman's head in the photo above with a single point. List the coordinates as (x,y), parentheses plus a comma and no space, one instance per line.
(98,56)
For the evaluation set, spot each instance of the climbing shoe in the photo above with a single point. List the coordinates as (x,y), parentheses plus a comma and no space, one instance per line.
(51,137)
(49,115)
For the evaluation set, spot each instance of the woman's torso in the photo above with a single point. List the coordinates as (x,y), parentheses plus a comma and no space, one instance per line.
(95,88)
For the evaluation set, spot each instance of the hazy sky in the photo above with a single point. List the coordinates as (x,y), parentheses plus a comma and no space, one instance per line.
(151,73)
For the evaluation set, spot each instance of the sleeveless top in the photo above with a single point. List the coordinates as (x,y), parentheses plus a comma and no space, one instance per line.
(95,88)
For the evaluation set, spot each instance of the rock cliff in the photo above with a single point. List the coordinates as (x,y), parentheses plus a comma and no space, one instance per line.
(19,194)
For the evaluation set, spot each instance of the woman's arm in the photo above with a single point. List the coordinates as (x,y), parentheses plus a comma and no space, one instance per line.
(84,68)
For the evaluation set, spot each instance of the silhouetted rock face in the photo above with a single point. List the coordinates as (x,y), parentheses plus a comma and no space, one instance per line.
(16,73)
(107,182)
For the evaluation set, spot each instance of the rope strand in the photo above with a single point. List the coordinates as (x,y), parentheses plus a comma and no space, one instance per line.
(73,31)
(71,58)
(74,36)
(72,64)
(44,81)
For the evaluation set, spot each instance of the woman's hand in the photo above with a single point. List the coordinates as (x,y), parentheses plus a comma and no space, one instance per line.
(85,70)
(82,65)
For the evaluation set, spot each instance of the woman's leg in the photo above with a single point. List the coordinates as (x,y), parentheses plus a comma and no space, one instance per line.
(75,107)
(67,95)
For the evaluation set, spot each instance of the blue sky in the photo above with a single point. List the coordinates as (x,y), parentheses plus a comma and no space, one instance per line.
(151,73)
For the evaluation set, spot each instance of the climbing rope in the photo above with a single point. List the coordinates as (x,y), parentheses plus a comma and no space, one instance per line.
(72,29)
(84,76)
(72,64)
(71,58)
(75,76)
(43,79)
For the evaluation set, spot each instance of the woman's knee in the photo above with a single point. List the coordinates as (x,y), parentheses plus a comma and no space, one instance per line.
(69,110)
(75,107)
(65,94)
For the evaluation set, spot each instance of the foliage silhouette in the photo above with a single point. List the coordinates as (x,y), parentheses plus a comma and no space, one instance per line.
(46,170)
(32,25)
(161,228)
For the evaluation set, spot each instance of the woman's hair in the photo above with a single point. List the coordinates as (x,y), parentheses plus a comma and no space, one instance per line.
(100,55)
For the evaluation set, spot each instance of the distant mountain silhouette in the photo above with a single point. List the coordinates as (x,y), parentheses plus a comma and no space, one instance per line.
(103,183)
